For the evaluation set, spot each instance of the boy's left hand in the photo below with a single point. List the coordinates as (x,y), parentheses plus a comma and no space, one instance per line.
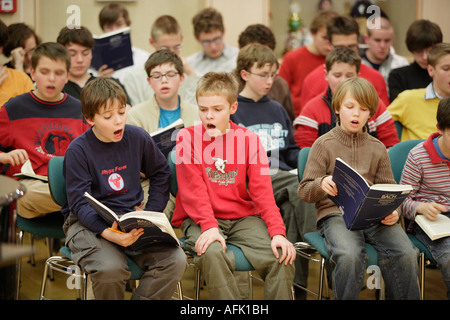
(288,252)
(391,219)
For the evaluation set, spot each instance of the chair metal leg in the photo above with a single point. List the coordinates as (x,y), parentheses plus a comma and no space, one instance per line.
(321,278)
(198,276)
(422,275)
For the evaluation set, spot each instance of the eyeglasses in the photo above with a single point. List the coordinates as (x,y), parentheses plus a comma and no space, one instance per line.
(207,43)
(174,48)
(265,76)
(158,76)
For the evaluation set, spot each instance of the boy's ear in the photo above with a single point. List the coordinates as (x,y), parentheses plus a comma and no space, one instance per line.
(430,70)
(243,75)
(90,121)
(325,74)
(32,73)
(233,108)
(182,77)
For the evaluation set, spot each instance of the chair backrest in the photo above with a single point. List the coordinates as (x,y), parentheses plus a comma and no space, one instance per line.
(173,173)
(399,129)
(301,162)
(56,180)
(398,155)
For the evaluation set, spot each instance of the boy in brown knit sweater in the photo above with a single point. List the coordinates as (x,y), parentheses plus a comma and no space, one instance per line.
(355,101)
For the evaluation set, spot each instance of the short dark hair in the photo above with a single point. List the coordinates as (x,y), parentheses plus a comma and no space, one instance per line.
(443,114)
(342,25)
(52,50)
(207,20)
(160,57)
(18,34)
(98,93)
(81,36)
(111,12)
(257,33)
(422,34)
(3,34)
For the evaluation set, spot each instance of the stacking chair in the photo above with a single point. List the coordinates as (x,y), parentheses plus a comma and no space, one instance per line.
(398,155)
(241,262)
(64,263)
(48,227)
(316,241)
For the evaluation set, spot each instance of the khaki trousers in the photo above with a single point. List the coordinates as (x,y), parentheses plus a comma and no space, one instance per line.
(37,201)
(249,234)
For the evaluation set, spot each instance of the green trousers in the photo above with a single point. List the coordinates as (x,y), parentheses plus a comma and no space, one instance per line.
(217,267)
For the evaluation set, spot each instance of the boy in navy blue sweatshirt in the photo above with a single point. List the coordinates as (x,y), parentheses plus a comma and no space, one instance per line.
(257,68)
(106,162)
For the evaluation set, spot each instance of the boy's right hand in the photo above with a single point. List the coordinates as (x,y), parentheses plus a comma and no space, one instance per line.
(14,158)
(208,237)
(123,239)
(431,209)
(329,186)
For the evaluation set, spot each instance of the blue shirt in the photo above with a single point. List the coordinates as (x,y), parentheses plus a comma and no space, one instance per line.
(168,117)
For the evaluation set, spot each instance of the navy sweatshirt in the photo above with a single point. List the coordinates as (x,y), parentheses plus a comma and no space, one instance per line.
(110,173)
(270,121)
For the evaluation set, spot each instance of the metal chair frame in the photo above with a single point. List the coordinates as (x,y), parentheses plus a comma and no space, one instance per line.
(245,266)
(62,263)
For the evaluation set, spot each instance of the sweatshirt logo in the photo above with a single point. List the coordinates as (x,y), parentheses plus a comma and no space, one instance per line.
(220,176)
(116,182)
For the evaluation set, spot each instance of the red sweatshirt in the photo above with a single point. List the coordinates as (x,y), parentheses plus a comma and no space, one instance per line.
(315,83)
(223,178)
(317,118)
(296,65)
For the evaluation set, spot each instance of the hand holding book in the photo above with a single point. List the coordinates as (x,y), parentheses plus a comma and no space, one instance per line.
(124,239)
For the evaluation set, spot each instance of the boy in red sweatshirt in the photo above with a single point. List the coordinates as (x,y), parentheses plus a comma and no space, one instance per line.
(225,194)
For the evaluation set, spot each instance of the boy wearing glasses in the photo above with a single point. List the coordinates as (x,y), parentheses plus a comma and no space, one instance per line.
(165,76)
(257,68)
(216,55)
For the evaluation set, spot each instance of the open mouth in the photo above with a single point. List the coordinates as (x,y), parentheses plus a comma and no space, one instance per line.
(118,133)
(210,126)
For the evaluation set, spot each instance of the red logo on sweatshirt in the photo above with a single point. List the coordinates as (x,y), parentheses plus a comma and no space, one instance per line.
(116,181)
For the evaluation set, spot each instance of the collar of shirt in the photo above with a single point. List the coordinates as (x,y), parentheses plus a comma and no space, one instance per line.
(430,93)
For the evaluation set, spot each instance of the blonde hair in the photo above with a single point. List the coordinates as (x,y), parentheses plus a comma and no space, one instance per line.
(361,90)
(218,83)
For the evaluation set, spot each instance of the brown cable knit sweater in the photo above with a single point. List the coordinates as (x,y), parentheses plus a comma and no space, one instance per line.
(364,153)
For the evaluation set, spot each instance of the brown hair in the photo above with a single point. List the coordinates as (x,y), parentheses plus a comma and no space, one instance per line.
(111,12)
(343,54)
(160,57)
(81,36)
(443,114)
(98,93)
(18,34)
(54,51)
(165,24)
(207,20)
(342,25)
(422,34)
(321,20)
(257,33)
(218,84)
(361,89)
(251,54)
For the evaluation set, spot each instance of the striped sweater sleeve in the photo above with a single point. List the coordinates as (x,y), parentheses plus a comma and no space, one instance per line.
(429,180)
